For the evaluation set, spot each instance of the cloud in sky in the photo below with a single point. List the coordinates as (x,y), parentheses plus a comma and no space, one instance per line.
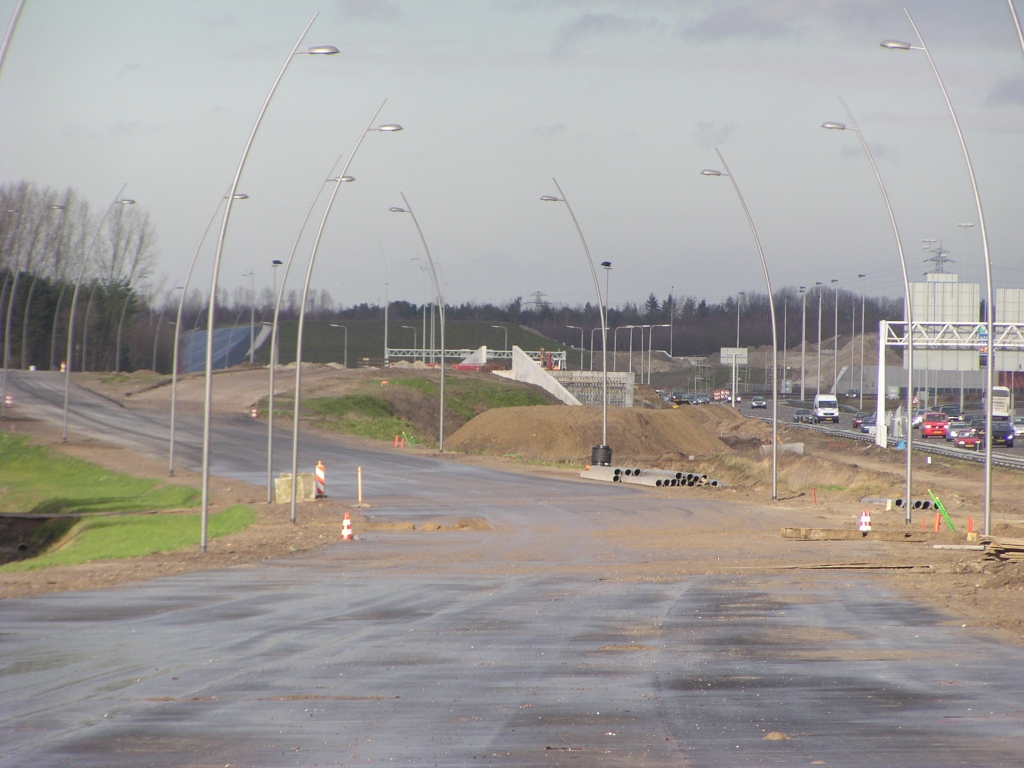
(1007,90)
(737,21)
(379,11)
(547,131)
(592,25)
(712,133)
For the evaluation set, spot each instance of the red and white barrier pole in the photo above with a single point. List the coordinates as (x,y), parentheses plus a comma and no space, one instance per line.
(321,480)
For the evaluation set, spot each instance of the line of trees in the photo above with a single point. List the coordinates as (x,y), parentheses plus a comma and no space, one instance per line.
(45,237)
(125,313)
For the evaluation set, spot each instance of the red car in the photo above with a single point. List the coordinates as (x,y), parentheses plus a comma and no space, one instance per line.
(934,423)
(970,441)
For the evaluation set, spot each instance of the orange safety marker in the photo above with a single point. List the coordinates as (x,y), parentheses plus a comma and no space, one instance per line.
(396,441)
(403,441)
(970,525)
(255,413)
(814,493)
(922,524)
(938,517)
(346,529)
(321,480)
(865,521)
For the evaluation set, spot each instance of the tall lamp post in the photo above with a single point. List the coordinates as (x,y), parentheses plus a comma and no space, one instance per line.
(907,304)
(803,343)
(600,454)
(389,128)
(775,335)
(989,297)
(821,292)
(344,328)
(503,328)
(575,328)
(735,375)
(275,325)
(177,327)
(118,200)
(835,341)
(863,303)
(440,309)
(325,50)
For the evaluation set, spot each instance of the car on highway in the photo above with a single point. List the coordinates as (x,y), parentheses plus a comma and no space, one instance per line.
(869,424)
(918,417)
(934,424)
(970,441)
(859,417)
(852,393)
(1018,425)
(1002,431)
(701,398)
(679,397)
(826,408)
(953,411)
(758,402)
(955,429)
(803,416)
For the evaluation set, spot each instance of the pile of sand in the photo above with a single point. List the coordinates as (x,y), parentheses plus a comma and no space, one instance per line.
(552,433)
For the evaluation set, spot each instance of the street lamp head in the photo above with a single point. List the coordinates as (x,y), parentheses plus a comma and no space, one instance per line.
(322,50)
(710,172)
(240,196)
(389,128)
(834,126)
(965,224)
(606,264)
(396,209)
(551,199)
(346,179)
(126,201)
(861,275)
(62,207)
(835,281)
(276,263)
(896,45)
(803,288)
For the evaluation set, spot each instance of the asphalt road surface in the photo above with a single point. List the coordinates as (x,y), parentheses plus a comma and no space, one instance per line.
(528,645)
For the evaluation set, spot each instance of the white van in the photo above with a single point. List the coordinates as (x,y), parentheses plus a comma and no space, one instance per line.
(826,408)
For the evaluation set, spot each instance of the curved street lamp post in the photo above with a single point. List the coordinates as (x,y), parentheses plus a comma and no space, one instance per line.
(989,297)
(390,128)
(440,308)
(602,451)
(322,50)
(177,327)
(771,309)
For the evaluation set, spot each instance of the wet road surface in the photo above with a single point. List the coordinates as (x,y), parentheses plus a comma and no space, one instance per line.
(526,645)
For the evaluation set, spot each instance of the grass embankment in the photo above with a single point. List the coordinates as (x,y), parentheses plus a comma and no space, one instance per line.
(123,536)
(35,480)
(410,405)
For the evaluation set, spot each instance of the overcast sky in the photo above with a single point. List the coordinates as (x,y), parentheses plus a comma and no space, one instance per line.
(623,102)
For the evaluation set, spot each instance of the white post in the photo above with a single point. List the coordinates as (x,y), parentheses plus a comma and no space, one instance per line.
(881,436)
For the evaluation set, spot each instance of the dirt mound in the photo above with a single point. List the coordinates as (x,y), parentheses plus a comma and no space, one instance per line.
(568,433)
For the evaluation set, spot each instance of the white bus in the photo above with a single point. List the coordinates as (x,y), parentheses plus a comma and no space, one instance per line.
(1000,402)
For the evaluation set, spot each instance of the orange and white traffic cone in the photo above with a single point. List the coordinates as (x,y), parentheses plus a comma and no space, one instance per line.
(865,521)
(255,413)
(321,481)
(346,529)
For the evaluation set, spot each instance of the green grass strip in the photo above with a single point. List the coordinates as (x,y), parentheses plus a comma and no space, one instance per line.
(123,536)
(36,479)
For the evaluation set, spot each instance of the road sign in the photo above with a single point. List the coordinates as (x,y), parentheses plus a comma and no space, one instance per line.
(730,355)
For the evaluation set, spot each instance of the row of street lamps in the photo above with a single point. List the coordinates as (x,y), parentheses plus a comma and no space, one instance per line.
(602,453)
